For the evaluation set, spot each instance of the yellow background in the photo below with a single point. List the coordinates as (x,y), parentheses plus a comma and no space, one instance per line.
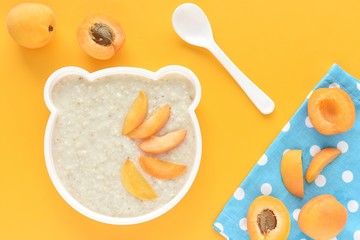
(284,46)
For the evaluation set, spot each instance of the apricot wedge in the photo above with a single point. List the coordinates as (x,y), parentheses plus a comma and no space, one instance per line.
(292,172)
(320,161)
(164,143)
(331,111)
(137,113)
(323,217)
(268,219)
(161,169)
(135,183)
(153,124)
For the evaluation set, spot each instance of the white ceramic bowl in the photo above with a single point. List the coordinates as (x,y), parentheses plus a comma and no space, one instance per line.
(57,75)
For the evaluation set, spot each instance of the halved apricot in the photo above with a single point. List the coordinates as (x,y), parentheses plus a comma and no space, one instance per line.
(137,113)
(323,217)
(153,124)
(292,172)
(164,143)
(161,169)
(135,183)
(268,218)
(320,161)
(331,110)
(100,36)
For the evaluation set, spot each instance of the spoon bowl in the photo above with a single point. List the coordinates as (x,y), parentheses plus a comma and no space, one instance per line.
(192,25)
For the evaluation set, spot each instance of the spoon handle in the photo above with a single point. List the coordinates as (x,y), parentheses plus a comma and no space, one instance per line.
(256,95)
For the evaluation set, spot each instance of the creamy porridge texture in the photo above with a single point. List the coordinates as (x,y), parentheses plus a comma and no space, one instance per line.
(88,148)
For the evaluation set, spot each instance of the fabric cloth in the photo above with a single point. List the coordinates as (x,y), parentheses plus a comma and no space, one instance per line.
(340,178)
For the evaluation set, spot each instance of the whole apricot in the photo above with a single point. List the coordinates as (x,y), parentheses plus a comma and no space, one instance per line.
(100,36)
(331,111)
(268,219)
(32,25)
(323,217)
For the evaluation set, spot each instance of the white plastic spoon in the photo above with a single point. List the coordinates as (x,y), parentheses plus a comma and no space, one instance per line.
(192,25)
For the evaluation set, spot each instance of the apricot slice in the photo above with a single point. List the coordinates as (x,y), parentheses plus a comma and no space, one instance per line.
(322,218)
(161,169)
(268,218)
(135,183)
(100,36)
(331,110)
(153,124)
(164,143)
(320,161)
(136,114)
(31,25)
(292,172)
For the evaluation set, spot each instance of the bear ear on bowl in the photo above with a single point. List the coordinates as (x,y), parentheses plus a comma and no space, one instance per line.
(58,77)
(187,74)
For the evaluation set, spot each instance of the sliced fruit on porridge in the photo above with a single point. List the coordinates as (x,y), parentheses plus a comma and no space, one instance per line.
(153,124)
(161,169)
(136,114)
(135,183)
(164,143)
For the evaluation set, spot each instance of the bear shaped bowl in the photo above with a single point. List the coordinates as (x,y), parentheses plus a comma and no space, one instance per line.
(85,149)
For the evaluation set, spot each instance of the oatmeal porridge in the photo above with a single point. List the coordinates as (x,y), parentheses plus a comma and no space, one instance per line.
(89,150)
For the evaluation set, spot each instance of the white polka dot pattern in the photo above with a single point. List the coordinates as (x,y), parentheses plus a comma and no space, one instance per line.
(286,127)
(353,206)
(357,235)
(347,176)
(308,122)
(343,146)
(266,189)
(243,224)
(239,194)
(334,85)
(295,214)
(320,181)
(263,160)
(314,150)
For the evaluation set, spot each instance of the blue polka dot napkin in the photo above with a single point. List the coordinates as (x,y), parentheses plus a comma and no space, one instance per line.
(341,178)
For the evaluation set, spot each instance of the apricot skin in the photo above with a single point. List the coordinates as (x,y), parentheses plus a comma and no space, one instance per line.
(282,226)
(31,25)
(161,169)
(331,111)
(161,144)
(136,114)
(320,161)
(100,36)
(322,218)
(292,172)
(135,183)
(153,124)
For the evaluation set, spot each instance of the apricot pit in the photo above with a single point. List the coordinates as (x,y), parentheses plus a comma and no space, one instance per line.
(268,218)
(331,111)
(100,36)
